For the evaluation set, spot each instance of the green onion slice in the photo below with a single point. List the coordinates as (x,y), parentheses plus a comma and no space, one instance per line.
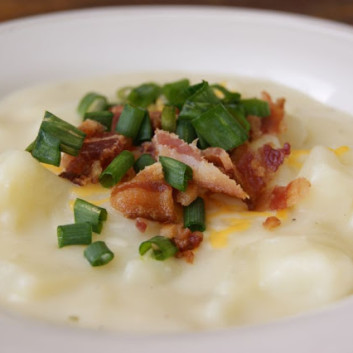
(199,102)
(185,131)
(98,253)
(219,128)
(177,174)
(104,117)
(144,95)
(176,92)
(130,121)
(71,138)
(46,149)
(194,215)
(92,214)
(117,169)
(238,113)
(53,130)
(92,102)
(228,96)
(74,234)
(145,133)
(123,93)
(143,161)
(168,118)
(201,142)
(162,248)
(256,107)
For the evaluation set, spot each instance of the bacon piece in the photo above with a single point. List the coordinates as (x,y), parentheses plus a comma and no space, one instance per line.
(255,127)
(116,110)
(205,174)
(271,223)
(91,127)
(147,196)
(98,150)
(220,158)
(185,240)
(155,117)
(147,147)
(186,197)
(141,225)
(273,124)
(287,196)
(255,169)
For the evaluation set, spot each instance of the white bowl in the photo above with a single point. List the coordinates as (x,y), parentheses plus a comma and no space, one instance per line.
(311,55)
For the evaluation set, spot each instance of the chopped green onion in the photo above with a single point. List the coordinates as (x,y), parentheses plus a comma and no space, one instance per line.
(238,113)
(199,102)
(92,102)
(92,214)
(117,169)
(98,253)
(104,117)
(177,174)
(168,118)
(185,131)
(162,248)
(202,143)
(144,95)
(143,161)
(71,138)
(130,121)
(74,234)
(194,88)
(123,93)
(256,107)
(46,149)
(219,128)
(52,131)
(228,96)
(30,147)
(176,92)
(145,133)
(194,215)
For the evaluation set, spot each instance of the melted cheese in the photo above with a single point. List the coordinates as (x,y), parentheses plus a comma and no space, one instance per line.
(242,273)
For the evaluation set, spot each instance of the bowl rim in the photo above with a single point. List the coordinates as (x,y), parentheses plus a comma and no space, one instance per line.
(207,339)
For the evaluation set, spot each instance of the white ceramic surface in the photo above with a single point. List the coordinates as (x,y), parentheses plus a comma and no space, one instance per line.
(310,55)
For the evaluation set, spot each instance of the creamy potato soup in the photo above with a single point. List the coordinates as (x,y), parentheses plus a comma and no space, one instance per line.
(242,272)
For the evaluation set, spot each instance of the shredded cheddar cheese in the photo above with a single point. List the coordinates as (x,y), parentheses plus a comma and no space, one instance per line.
(295,158)
(89,190)
(219,239)
(340,150)
(53,168)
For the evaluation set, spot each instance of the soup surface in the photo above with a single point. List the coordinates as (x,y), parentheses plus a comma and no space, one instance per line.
(242,274)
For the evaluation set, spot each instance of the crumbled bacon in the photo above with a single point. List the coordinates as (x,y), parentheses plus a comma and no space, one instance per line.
(147,196)
(141,225)
(98,150)
(155,117)
(287,196)
(147,147)
(185,240)
(205,174)
(255,169)
(116,110)
(273,158)
(255,127)
(271,223)
(220,158)
(189,195)
(91,127)
(273,124)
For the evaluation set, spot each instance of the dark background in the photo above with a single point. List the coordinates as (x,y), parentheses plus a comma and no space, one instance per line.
(338,10)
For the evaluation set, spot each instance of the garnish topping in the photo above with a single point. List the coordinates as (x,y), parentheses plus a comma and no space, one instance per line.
(162,248)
